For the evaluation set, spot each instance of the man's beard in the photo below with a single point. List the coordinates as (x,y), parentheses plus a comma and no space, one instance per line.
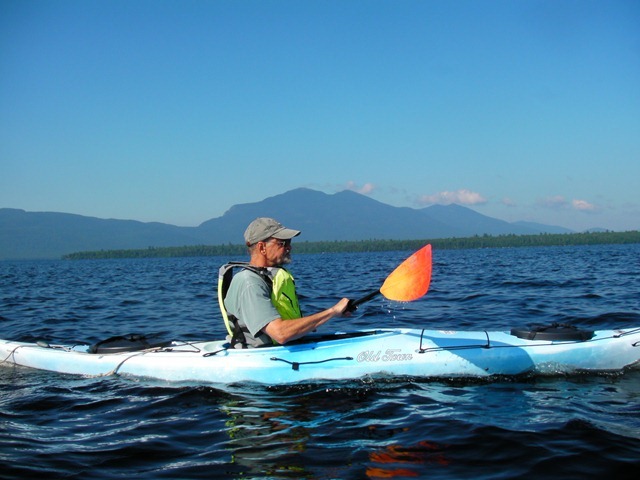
(286,259)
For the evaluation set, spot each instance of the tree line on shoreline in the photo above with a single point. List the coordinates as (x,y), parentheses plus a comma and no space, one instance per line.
(478,241)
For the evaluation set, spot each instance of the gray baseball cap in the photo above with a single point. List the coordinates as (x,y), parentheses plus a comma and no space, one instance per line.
(262,228)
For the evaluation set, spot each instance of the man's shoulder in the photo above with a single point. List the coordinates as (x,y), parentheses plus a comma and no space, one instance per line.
(247,275)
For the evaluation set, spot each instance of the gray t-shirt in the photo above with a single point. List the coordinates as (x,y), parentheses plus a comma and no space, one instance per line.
(249,300)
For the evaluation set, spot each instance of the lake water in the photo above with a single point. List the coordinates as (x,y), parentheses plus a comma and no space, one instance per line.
(574,427)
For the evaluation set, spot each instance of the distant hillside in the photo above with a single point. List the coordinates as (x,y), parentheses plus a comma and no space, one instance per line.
(344,216)
(34,235)
(351,216)
(548,228)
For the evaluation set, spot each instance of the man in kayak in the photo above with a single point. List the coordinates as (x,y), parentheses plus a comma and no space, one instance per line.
(261,301)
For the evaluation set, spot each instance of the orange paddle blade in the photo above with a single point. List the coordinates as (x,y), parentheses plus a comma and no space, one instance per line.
(410,280)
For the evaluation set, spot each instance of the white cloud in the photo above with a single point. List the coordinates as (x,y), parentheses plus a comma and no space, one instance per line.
(583,206)
(365,189)
(508,202)
(462,197)
(558,202)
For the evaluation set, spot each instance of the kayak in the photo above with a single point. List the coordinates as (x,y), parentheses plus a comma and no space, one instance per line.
(358,354)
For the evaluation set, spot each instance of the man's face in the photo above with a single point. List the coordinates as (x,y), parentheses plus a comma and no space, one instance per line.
(278,252)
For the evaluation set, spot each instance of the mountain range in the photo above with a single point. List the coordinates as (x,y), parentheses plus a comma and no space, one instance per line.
(346,215)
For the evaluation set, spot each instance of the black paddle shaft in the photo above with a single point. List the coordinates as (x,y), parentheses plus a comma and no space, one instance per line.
(353,304)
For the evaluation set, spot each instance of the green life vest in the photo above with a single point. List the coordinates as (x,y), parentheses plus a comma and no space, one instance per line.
(283,294)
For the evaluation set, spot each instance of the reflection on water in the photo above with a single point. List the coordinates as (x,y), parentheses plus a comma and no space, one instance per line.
(396,460)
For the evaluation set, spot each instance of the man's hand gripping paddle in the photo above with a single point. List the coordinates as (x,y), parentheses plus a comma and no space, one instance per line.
(409,281)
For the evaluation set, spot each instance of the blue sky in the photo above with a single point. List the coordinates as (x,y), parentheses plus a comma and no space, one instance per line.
(173,111)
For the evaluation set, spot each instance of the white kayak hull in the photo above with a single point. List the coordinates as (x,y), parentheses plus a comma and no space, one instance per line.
(341,356)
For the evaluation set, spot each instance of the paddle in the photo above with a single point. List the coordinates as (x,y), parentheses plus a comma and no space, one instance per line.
(408,282)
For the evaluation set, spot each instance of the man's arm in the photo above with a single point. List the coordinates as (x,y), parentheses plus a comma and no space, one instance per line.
(283,331)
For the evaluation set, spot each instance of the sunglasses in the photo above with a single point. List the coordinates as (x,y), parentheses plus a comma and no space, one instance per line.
(282,243)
